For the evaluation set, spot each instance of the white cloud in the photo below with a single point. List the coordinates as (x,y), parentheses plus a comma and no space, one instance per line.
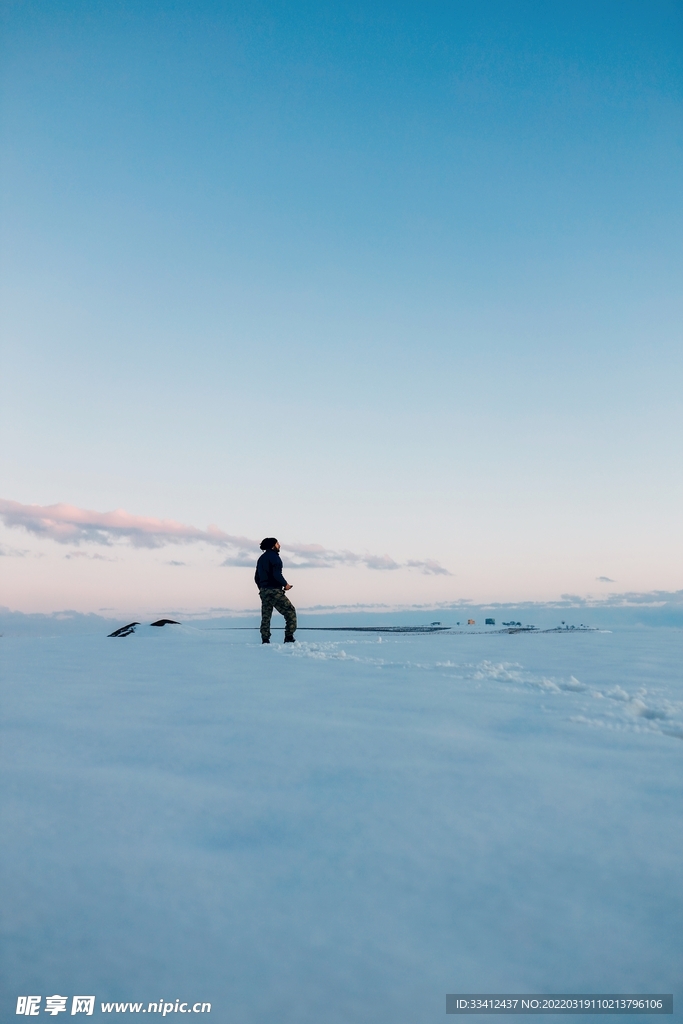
(12,553)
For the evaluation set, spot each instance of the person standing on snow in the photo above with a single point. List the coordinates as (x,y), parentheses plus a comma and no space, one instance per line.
(272,584)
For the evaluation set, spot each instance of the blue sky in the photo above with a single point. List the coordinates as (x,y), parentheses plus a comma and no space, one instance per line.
(392,279)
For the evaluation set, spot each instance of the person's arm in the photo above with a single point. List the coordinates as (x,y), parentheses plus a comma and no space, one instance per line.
(277,571)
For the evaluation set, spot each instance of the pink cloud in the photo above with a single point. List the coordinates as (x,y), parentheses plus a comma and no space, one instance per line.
(67,524)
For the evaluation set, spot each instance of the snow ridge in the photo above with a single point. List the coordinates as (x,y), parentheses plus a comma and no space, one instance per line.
(643,710)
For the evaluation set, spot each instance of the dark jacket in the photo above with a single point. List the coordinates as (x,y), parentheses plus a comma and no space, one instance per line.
(269,570)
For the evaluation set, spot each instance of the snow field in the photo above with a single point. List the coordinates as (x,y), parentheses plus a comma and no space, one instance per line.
(344,829)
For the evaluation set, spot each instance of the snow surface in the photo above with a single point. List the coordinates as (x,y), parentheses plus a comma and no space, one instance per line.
(344,829)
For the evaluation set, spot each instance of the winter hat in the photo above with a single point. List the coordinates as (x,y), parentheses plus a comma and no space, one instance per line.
(268,543)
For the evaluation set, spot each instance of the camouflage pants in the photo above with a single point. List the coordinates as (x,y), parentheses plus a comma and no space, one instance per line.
(273,597)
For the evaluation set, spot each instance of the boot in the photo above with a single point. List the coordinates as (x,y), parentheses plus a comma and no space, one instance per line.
(289,639)
(264,641)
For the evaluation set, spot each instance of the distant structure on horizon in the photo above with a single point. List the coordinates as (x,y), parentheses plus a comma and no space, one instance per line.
(489,622)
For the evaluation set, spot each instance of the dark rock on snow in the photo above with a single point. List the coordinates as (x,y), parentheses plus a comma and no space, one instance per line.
(130,628)
(125,630)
